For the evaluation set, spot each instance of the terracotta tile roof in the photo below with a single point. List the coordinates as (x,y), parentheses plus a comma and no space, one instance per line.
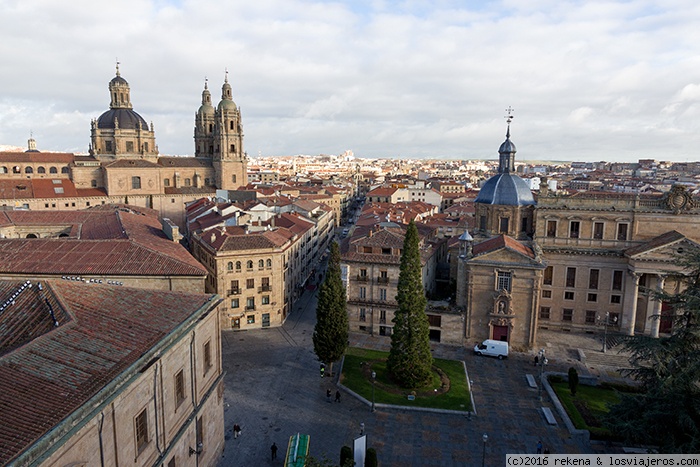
(131,164)
(236,238)
(100,242)
(102,331)
(37,157)
(499,242)
(184,162)
(16,189)
(382,191)
(53,188)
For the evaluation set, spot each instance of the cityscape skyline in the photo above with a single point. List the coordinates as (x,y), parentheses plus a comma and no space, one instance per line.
(588,81)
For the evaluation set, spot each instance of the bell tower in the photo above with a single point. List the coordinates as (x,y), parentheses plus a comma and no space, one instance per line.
(228,158)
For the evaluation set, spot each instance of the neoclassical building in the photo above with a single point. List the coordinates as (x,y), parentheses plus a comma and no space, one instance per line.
(124,165)
(572,262)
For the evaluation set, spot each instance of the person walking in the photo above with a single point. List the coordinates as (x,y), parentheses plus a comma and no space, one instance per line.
(236,430)
(328,395)
(337,395)
(539,447)
(273,451)
(323,370)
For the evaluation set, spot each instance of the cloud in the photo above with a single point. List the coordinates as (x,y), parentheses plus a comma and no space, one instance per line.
(378,77)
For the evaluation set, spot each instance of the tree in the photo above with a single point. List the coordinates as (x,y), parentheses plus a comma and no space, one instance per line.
(331,332)
(573,380)
(410,361)
(667,412)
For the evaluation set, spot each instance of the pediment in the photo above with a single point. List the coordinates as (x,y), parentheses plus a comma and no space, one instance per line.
(664,248)
(504,255)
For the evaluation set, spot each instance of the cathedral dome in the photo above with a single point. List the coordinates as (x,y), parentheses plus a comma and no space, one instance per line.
(118,80)
(206,110)
(127,119)
(505,189)
(227,104)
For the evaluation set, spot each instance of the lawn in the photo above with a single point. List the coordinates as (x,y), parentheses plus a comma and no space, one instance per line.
(587,409)
(359,363)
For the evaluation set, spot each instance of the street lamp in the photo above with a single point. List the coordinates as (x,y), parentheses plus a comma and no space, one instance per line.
(541,361)
(605,330)
(483,455)
(374,378)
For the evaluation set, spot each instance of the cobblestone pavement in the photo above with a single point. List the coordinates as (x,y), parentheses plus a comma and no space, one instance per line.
(274,390)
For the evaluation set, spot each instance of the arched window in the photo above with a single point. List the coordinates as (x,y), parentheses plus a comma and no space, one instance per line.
(229,266)
(40,170)
(136,183)
(53,170)
(188,182)
(28,170)
(16,169)
(249,264)
(238,265)
(64,170)
(234,178)
(206,182)
(269,263)
(261,264)
(3,170)
(31,236)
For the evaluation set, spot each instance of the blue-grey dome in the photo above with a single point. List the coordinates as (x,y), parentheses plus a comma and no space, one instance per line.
(505,189)
(127,118)
(507,147)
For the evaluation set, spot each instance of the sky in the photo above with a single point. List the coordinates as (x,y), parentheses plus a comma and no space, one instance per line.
(588,80)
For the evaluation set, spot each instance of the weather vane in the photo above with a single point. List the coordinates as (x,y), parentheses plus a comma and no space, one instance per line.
(509,117)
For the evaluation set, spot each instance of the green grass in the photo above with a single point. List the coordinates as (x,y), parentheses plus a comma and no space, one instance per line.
(386,392)
(596,399)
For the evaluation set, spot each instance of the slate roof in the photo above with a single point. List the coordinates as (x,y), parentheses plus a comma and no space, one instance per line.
(105,241)
(184,162)
(54,370)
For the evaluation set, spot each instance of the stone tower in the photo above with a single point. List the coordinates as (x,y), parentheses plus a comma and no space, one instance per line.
(218,135)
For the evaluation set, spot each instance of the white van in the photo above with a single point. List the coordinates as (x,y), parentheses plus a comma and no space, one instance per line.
(492,348)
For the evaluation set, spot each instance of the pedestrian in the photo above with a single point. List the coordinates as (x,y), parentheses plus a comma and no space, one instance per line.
(323,370)
(537,360)
(236,430)
(337,395)
(273,451)
(328,395)
(539,447)
(362,428)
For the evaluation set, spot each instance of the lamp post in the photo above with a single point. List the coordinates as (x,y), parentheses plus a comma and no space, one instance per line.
(374,378)
(541,361)
(483,454)
(605,331)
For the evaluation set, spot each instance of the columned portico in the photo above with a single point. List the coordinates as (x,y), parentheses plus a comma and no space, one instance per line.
(656,317)
(629,316)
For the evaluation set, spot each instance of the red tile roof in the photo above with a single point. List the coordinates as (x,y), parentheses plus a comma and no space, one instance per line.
(499,242)
(102,331)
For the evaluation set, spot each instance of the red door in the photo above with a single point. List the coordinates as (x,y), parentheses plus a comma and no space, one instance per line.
(500,333)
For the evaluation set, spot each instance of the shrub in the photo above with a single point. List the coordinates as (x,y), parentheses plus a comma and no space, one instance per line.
(345,455)
(371,458)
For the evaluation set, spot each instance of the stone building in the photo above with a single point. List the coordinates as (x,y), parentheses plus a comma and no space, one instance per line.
(96,374)
(124,165)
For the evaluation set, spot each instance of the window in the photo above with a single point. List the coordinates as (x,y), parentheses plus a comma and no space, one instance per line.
(229,266)
(622,232)
(141,431)
(363,314)
(504,225)
(265,299)
(366,249)
(592,297)
(363,292)
(574,229)
(261,264)
(617,280)
(382,294)
(269,263)
(590,316)
(383,277)
(65,170)
(250,303)
(503,281)
(136,183)
(233,178)
(523,224)
(551,229)
(567,314)
(386,251)
(129,146)
(166,182)
(363,274)
(482,222)
(568,295)
(546,294)
(93,183)
(249,264)
(207,356)
(382,316)
(108,146)
(250,283)
(593,276)
(265,286)
(145,147)
(544,312)
(435,321)
(199,433)
(188,182)
(571,277)
(179,387)
(616,299)
(598,230)
(250,319)
(234,303)
(28,170)
(548,275)
(238,265)
(40,170)
(234,288)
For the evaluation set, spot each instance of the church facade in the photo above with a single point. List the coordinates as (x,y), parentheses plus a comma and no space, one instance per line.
(124,165)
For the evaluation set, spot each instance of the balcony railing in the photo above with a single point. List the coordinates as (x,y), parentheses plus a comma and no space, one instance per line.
(234,291)
(382,280)
(250,307)
(264,288)
(362,278)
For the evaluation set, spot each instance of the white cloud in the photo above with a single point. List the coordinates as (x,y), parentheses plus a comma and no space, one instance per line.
(381,77)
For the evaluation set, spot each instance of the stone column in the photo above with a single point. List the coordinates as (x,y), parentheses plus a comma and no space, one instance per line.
(629,312)
(656,317)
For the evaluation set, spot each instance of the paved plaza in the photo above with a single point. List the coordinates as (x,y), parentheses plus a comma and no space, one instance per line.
(274,390)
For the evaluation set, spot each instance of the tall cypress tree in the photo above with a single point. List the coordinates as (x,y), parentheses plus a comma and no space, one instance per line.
(331,331)
(667,414)
(410,361)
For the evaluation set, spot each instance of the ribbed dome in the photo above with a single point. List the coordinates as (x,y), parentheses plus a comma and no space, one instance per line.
(127,118)
(507,147)
(206,109)
(227,104)
(505,189)
(119,81)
